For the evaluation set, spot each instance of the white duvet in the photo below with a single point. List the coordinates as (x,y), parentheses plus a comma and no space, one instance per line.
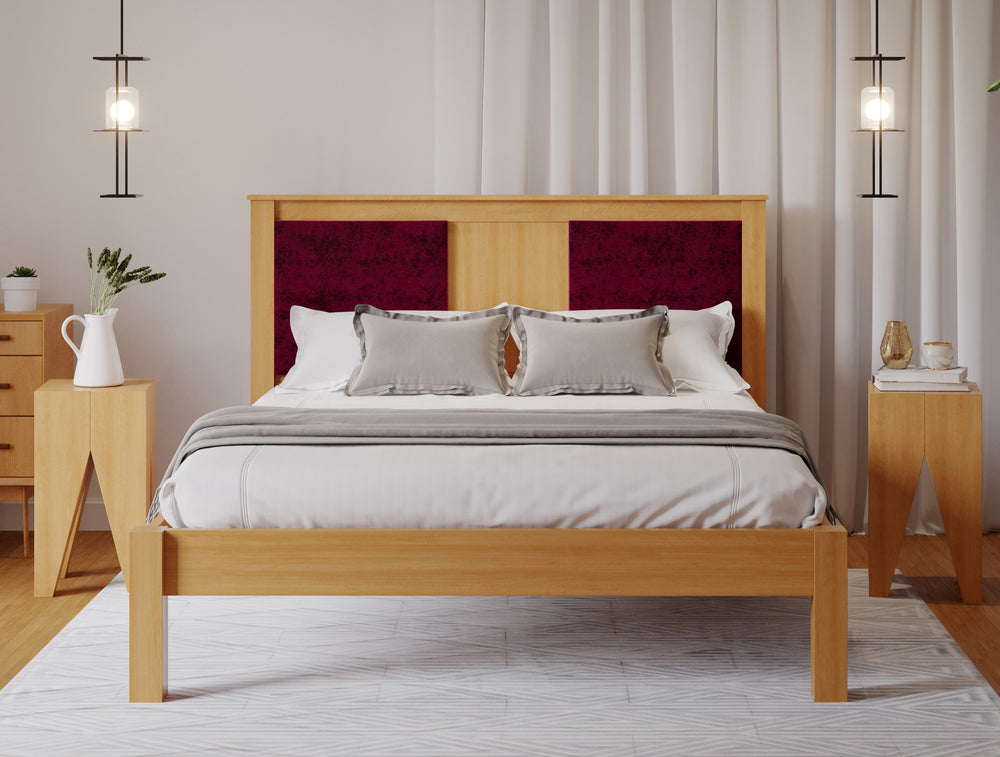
(514,486)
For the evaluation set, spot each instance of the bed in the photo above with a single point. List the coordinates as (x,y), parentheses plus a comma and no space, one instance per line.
(547,253)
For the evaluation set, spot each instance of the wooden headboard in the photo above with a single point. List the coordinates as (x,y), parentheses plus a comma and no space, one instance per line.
(510,248)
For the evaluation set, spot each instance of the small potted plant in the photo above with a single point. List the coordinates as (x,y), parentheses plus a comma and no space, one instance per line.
(20,290)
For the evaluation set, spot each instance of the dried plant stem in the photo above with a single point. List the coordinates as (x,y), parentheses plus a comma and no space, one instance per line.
(111,276)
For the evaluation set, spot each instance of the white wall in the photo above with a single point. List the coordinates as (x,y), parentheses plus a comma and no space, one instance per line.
(239,97)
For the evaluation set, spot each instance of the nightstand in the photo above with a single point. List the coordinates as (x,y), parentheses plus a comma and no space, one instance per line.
(947,429)
(32,351)
(80,431)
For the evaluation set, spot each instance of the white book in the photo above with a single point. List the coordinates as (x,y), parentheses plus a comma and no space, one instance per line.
(921,386)
(921,373)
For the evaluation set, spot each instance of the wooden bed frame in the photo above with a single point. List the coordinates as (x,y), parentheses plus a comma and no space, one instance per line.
(514,249)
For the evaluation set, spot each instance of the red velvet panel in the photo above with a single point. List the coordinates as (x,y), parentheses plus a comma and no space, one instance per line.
(686,265)
(334,265)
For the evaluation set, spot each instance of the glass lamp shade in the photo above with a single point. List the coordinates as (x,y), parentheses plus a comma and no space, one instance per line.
(878,108)
(121,108)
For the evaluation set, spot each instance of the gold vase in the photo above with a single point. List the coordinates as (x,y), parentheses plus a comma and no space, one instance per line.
(897,349)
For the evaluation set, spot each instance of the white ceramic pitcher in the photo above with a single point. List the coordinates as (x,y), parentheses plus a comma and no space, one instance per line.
(97,360)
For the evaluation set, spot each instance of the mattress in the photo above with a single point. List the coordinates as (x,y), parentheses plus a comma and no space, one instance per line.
(490,486)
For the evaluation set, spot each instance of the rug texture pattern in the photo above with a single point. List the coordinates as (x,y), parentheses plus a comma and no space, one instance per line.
(502,676)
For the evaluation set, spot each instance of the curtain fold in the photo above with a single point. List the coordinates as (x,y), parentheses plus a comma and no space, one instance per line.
(761,97)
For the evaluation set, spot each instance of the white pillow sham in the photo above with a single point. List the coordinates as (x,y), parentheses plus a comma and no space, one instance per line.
(327,350)
(327,347)
(403,353)
(616,354)
(694,350)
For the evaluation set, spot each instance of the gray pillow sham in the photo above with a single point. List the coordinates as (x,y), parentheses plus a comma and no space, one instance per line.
(618,354)
(405,353)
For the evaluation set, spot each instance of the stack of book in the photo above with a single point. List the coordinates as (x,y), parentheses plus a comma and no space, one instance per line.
(917,378)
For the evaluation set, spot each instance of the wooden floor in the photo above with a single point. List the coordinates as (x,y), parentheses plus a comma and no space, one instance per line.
(27,624)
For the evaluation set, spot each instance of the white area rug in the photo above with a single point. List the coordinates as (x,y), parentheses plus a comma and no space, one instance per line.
(502,676)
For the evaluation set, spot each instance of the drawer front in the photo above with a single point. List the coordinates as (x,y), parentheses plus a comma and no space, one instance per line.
(20,376)
(17,446)
(20,337)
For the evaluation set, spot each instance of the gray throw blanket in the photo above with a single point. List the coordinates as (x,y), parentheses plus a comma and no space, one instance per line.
(275,425)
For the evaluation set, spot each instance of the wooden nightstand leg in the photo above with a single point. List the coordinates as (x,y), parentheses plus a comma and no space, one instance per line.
(955,460)
(123,427)
(25,493)
(62,476)
(895,455)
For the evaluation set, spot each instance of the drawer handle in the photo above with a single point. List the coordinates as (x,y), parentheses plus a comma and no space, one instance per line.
(4,446)
(4,337)
(5,386)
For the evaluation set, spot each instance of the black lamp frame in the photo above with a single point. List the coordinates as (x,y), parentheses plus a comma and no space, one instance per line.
(877,60)
(121,80)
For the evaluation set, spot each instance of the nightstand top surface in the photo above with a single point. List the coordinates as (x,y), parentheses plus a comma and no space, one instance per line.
(42,309)
(66,385)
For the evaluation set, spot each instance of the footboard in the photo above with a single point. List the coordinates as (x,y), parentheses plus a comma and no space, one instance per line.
(540,562)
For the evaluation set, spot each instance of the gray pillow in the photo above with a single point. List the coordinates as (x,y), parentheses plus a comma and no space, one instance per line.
(405,353)
(618,354)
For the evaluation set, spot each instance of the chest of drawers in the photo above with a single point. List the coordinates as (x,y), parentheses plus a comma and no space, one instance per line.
(32,351)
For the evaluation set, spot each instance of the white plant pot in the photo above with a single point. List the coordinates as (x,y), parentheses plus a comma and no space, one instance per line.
(20,293)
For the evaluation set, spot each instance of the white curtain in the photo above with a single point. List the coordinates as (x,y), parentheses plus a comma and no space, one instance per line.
(760,97)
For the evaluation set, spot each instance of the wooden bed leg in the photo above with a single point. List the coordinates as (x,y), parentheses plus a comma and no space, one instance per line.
(147,627)
(828,616)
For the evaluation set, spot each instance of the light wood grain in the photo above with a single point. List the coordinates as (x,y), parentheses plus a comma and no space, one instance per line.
(20,337)
(953,439)
(56,354)
(62,476)
(110,431)
(754,299)
(20,376)
(903,429)
(122,444)
(17,458)
(807,562)
(549,562)
(895,455)
(147,618)
(526,263)
(828,615)
(262,376)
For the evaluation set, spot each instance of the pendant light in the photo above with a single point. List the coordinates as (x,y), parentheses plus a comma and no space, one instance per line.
(878,111)
(121,109)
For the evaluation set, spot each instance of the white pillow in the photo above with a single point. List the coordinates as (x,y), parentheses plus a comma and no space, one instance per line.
(327,350)
(694,350)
